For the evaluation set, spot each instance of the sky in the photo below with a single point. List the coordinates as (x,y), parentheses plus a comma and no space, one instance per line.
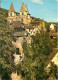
(44,9)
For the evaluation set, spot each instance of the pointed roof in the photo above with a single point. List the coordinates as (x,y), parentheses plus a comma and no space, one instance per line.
(11,8)
(26,8)
(23,8)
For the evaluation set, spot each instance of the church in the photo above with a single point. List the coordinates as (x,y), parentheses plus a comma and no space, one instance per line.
(23,15)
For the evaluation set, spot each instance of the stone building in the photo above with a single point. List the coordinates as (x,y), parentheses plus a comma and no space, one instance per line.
(53,28)
(12,14)
(23,15)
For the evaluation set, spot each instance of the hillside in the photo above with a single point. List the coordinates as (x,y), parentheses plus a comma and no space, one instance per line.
(4,12)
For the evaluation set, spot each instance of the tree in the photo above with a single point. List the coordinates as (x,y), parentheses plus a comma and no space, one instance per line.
(33,66)
(6,48)
(47,24)
(53,70)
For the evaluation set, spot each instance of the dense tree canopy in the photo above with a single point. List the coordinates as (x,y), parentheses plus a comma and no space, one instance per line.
(6,47)
(35,56)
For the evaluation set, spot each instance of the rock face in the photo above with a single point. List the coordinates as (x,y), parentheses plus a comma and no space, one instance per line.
(14,76)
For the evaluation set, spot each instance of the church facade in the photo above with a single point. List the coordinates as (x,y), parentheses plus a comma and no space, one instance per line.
(23,15)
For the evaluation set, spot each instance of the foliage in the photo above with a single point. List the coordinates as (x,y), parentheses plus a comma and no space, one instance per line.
(6,76)
(6,47)
(55,41)
(3,12)
(35,57)
(47,24)
(53,70)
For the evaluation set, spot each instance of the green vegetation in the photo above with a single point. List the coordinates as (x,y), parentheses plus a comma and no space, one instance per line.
(47,25)
(3,12)
(36,54)
(53,70)
(6,49)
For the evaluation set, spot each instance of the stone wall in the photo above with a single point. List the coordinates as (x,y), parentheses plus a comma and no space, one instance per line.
(14,76)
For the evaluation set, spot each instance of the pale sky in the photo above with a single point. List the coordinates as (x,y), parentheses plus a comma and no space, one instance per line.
(44,9)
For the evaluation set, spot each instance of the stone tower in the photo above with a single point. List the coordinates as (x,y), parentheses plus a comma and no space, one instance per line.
(24,14)
(11,13)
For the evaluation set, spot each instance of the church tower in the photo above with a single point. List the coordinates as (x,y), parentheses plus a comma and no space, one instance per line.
(24,14)
(11,13)
(11,10)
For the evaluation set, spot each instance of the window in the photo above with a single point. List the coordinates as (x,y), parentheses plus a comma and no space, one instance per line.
(22,13)
(17,50)
(10,14)
(10,23)
(22,20)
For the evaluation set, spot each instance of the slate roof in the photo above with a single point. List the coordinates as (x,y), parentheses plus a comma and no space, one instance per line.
(11,8)
(29,26)
(35,21)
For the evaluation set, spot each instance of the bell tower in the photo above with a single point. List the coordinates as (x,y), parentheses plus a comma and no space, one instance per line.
(11,11)
(24,14)
(11,14)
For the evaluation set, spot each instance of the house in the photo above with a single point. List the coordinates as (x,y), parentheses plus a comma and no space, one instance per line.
(19,51)
(53,31)
(52,28)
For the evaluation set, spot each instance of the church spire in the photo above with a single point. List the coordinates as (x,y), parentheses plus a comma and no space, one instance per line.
(23,8)
(11,8)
